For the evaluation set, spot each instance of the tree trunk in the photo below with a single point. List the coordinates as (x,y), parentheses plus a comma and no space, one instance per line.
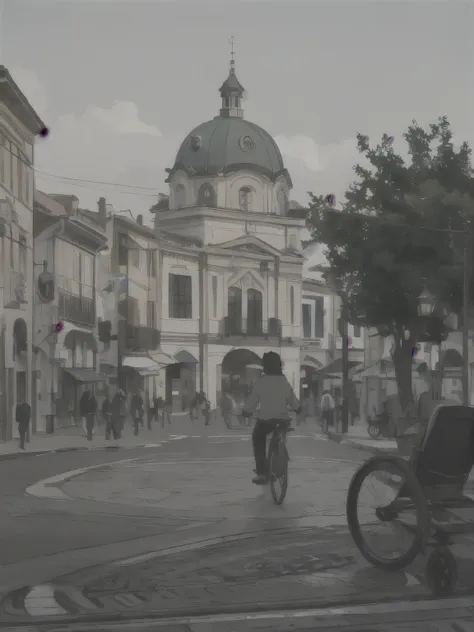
(402,360)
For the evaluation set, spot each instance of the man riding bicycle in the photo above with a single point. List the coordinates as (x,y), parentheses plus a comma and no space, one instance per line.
(274,396)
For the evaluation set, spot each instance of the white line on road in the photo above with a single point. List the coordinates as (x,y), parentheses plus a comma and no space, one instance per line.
(40,602)
(46,488)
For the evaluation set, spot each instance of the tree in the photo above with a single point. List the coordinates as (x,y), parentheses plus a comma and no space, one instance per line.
(397,235)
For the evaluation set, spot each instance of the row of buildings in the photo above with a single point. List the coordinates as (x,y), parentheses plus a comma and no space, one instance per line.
(189,302)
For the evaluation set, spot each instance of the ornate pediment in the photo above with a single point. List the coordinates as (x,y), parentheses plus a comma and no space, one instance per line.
(249,244)
(247,280)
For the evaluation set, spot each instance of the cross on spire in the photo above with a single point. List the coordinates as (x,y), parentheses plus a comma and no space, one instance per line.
(232,53)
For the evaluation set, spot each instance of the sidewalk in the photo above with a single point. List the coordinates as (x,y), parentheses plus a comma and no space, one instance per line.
(73,438)
(359,437)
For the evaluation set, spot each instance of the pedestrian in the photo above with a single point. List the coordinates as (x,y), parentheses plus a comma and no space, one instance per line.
(118,410)
(88,409)
(136,410)
(206,409)
(23,416)
(162,411)
(227,407)
(193,406)
(328,407)
(107,416)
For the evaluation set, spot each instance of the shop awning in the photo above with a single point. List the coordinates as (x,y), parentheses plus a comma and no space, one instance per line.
(143,365)
(86,376)
(161,358)
(334,368)
(384,369)
(185,357)
(311,362)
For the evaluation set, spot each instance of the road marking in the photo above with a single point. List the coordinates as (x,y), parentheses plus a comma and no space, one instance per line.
(40,602)
(183,548)
(47,488)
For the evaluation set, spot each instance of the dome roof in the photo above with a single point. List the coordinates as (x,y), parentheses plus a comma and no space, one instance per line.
(227,144)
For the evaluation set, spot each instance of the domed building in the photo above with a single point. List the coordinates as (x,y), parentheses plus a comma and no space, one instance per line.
(231,257)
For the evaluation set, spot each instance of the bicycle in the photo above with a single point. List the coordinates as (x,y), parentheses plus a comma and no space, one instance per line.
(277,459)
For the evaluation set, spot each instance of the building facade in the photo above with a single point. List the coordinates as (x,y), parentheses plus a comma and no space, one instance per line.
(67,243)
(234,292)
(128,305)
(19,125)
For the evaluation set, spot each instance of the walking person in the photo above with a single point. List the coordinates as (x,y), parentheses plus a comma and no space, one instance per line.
(107,417)
(118,411)
(23,416)
(88,405)
(136,410)
(206,409)
(328,407)
(227,408)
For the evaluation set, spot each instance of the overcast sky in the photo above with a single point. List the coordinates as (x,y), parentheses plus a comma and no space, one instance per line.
(120,84)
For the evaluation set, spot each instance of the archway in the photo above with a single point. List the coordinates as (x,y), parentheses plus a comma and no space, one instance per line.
(240,370)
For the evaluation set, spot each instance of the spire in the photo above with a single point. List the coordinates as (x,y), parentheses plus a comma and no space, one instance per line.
(231,90)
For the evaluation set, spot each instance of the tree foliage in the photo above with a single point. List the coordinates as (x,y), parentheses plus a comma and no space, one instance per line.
(397,235)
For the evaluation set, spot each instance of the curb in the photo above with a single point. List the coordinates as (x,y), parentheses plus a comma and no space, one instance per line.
(341,439)
(18,455)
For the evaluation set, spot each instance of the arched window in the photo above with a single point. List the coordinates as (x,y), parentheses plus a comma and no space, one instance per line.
(282,202)
(207,196)
(245,199)
(292,305)
(180,196)
(254,312)
(234,309)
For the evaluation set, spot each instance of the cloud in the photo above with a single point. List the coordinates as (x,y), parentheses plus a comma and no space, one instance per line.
(300,148)
(102,144)
(321,169)
(122,118)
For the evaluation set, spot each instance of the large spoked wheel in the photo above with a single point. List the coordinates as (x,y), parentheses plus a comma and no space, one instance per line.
(391,529)
(278,469)
(441,572)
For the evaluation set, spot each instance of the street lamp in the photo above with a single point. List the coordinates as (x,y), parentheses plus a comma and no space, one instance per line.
(426,303)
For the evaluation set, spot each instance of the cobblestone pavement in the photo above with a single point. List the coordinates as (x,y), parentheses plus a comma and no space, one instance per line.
(267,571)
(219,488)
(298,555)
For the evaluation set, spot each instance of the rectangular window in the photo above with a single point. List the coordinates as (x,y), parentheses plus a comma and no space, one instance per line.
(123,251)
(357,331)
(214,296)
(135,257)
(2,158)
(306,318)
(150,314)
(319,317)
(20,166)
(151,263)
(12,171)
(180,296)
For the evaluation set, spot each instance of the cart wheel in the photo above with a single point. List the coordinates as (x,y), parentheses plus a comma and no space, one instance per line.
(278,470)
(441,572)
(374,431)
(402,514)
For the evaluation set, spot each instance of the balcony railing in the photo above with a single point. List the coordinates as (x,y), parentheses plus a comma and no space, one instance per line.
(138,337)
(76,309)
(250,328)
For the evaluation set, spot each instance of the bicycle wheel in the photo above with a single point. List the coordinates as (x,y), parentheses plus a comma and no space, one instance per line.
(403,514)
(278,469)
